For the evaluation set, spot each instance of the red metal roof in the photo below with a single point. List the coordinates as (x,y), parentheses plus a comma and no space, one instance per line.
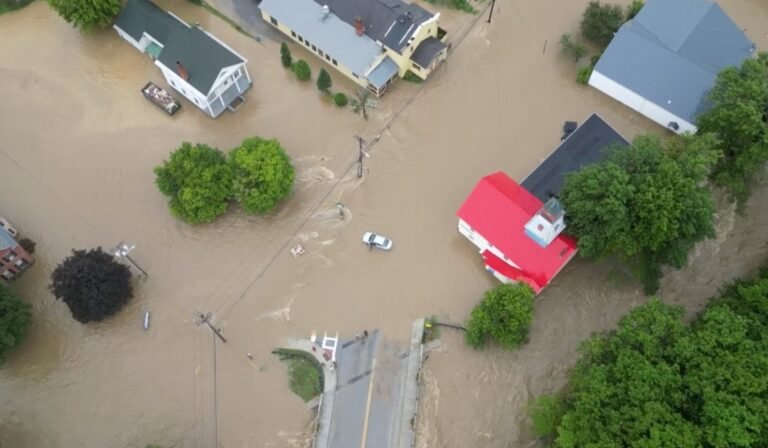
(498,209)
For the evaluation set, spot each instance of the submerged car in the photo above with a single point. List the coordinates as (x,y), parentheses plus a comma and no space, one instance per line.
(377,241)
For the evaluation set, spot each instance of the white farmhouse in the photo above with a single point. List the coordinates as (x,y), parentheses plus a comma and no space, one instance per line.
(664,62)
(194,62)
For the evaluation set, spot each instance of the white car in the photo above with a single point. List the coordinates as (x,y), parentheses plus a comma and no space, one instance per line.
(377,241)
(8,227)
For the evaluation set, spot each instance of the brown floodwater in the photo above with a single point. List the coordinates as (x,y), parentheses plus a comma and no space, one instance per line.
(77,148)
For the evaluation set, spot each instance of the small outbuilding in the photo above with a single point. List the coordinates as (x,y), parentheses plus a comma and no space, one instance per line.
(664,62)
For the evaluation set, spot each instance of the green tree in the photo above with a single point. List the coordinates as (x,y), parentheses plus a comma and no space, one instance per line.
(645,204)
(654,382)
(739,117)
(87,14)
(15,317)
(301,70)
(571,48)
(504,314)
(92,284)
(285,55)
(634,8)
(198,182)
(324,81)
(360,102)
(600,21)
(263,174)
(546,412)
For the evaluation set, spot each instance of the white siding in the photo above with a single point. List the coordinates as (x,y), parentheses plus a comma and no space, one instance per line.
(637,102)
(183,87)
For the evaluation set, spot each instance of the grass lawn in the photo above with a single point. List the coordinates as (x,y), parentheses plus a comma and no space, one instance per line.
(304,375)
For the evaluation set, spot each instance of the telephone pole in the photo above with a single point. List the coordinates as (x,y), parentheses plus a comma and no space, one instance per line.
(361,153)
(122,250)
(490,14)
(206,319)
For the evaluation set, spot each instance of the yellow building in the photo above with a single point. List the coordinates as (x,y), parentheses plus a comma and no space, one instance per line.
(372,42)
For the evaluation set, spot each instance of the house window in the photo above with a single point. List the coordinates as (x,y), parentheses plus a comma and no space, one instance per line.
(293,33)
(197,102)
(335,63)
(321,53)
(327,58)
(355,75)
(273,21)
(301,39)
(172,83)
(8,275)
(314,48)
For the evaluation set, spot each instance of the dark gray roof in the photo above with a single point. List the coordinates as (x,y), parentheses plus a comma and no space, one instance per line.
(327,32)
(391,22)
(672,51)
(584,146)
(426,51)
(201,55)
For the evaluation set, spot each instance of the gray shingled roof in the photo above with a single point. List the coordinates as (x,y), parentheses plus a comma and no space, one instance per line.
(202,56)
(328,33)
(426,51)
(585,146)
(391,22)
(672,51)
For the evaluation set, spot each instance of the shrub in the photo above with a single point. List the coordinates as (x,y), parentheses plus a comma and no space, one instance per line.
(198,182)
(285,55)
(92,284)
(324,81)
(600,22)
(263,174)
(504,314)
(582,76)
(572,49)
(340,99)
(301,70)
(546,412)
(15,317)
(28,245)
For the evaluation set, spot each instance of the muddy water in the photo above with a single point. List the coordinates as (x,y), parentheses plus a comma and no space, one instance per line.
(80,143)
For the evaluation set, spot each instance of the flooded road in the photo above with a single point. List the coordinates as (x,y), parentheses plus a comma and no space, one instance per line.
(78,144)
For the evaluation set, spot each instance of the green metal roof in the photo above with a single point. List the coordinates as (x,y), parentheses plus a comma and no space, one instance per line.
(201,55)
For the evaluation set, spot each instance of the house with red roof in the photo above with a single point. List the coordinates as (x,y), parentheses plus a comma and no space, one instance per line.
(517,227)
(518,236)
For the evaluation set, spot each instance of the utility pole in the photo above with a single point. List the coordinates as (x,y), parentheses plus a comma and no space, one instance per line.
(122,250)
(206,319)
(361,153)
(490,14)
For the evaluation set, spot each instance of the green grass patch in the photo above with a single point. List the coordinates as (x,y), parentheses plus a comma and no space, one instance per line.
(411,77)
(12,5)
(304,375)
(431,330)
(461,5)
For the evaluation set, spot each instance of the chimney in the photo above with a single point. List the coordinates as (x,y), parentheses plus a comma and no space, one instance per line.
(359,27)
(182,71)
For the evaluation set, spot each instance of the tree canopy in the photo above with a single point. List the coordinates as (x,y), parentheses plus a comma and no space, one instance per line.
(504,314)
(600,21)
(263,174)
(87,14)
(198,182)
(645,204)
(324,81)
(15,317)
(739,117)
(92,284)
(656,382)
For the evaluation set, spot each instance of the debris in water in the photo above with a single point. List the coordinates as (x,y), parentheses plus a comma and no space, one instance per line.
(146,321)
(298,250)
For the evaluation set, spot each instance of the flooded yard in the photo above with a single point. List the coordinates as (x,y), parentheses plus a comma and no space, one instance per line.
(77,146)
